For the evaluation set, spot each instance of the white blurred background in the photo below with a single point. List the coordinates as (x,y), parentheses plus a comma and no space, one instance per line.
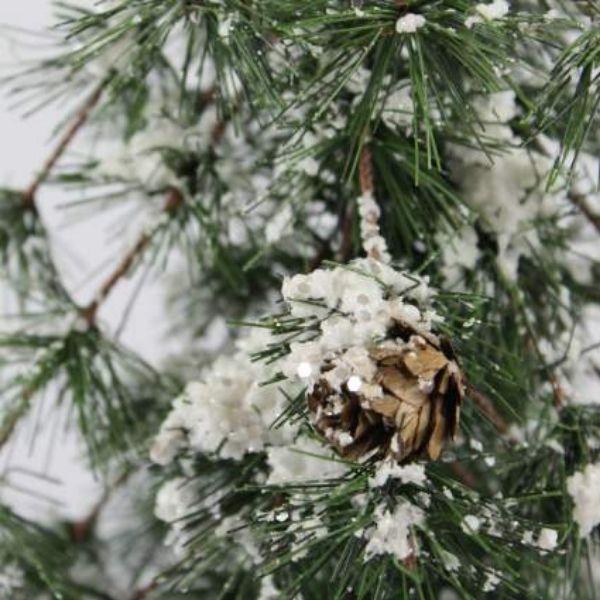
(41,470)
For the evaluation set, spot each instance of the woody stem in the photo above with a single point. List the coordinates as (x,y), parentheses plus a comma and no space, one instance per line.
(64,142)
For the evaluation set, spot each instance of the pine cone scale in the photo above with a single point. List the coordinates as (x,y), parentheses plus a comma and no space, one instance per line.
(409,408)
(386,406)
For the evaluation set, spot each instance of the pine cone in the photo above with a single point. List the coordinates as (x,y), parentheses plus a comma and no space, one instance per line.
(409,408)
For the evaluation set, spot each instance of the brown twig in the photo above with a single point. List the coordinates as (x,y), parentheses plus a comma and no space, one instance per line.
(411,562)
(173,200)
(464,474)
(486,406)
(346,218)
(80,530)
(89,313)
(347,227)
(206,98)
(144,592)
(557,392)
(322,254)
(581,203)
(365,171)
(80,119)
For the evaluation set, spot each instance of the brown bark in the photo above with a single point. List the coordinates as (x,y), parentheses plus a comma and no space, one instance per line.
(80,119)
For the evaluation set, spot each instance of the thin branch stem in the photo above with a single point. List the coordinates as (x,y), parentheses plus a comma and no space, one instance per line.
(464,474)
(80,119)
(486,406)
(144,592)
(582,204)
(365,171)
(346,226)
(89,313)
(80,530)
(173,200)
(373,243)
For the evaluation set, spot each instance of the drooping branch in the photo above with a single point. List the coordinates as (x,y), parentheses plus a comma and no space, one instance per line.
(173,200)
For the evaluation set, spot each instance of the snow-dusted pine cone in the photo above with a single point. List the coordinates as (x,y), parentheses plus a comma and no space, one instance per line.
(407,407)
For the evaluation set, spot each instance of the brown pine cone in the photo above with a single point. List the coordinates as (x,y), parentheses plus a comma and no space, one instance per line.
(409,408)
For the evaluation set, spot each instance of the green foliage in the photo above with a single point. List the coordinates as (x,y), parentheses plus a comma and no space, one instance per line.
(41,558)
(573,97)
(107,387)
(300,89)
(23,250)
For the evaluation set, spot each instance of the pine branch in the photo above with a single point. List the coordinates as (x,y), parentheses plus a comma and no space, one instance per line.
(173,200)
(81,118)
(322,537)
(572,98)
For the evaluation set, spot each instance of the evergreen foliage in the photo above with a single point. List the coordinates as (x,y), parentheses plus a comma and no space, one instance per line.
(242,133)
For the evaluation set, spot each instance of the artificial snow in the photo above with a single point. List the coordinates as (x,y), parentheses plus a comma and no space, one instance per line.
(451,561)
(471,524)
(268,590)
(491,581)
(304,460)
(496,10)
(280,225)
(386,470)
(175,499)
(547,539)
(12,579)
(410,23)
(227,414)
(584,489)
(373,243)
(393,531)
